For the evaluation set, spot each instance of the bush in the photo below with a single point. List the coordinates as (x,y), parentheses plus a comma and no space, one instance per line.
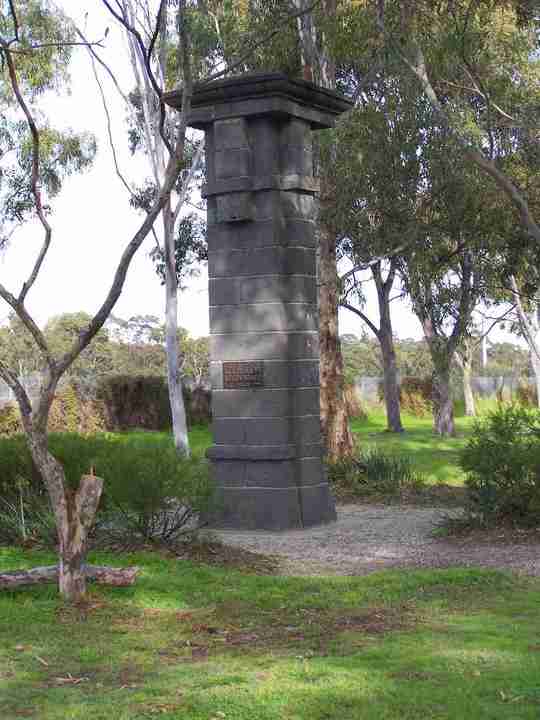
(135,402)
(526,395)
(27,519)
(502,462)
(10,420)
(374,473)
(416,396)
(150,493)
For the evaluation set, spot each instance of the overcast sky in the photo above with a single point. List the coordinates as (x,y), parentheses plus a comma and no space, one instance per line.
(92,220)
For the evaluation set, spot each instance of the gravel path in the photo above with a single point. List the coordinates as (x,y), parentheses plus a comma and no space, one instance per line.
(367,538)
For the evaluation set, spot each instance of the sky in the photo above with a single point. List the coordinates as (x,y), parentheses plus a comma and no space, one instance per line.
(93,222)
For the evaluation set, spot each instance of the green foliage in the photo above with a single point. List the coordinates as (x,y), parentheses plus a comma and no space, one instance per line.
(375,472)
(16,465)
(502,462)
(27,519)
(140,401)
(415,396)
(526,395)
(150,492)
(190,249)
(10,420)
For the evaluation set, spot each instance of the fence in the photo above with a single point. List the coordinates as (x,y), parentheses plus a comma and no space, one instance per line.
(505,386)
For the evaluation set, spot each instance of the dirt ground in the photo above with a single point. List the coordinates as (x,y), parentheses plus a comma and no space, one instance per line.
(367,538)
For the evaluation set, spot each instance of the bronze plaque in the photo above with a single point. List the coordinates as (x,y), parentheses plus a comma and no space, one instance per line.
(243,375)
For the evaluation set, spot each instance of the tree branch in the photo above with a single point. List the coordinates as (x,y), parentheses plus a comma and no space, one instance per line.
(109,127)
(523,320)
(260,43)
(11,379)
(40,46)
(15,22)
(488,166)
(27,320)
(374,329)
(104,65)
(34,182)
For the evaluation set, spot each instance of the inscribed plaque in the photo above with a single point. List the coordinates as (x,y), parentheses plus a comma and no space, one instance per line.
(243,375)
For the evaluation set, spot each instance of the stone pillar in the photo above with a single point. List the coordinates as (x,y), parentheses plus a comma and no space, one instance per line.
(267,455)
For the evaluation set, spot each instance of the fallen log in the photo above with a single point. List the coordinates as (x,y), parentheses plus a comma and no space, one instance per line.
(119,577)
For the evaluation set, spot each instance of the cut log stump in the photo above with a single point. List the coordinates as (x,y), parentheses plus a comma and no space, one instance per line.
(119,577)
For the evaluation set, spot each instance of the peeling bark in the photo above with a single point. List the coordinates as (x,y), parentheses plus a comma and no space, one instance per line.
(443,405)
(118,577)
(334,421)
(318,66)
(530,328)
(464,360)
(386,340)
(176,396)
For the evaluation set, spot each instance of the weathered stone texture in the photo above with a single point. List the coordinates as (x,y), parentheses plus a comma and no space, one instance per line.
(263,298)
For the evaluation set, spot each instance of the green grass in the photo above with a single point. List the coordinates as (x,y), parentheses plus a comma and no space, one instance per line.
(197,643)
(435,457)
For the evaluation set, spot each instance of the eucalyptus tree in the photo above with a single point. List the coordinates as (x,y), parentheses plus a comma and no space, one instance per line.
(378,176)
(455,266)
(153,35)
(318,65)
(528,324)
(35,43)
(478,64)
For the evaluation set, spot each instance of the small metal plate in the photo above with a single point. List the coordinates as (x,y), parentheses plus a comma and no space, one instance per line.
(243,375)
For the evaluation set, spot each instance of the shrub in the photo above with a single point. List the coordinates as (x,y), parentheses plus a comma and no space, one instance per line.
(10,420)
(135,402)
(416,396)
(27,519)
(16,466)
(150,493)
(526,395)
(502,462)
(375,473)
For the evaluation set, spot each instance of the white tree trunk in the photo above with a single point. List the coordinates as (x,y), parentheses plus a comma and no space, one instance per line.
(176,396)
(530,327)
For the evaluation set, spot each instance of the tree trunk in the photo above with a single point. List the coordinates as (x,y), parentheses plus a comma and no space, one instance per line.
(470,409)
(74,511)
(391,384)
(535,362)
(319,67)
(385,336)
(334,421)
(443,405)
(176,397)
(118,577)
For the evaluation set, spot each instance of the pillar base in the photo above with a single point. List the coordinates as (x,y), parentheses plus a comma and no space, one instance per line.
(263,495)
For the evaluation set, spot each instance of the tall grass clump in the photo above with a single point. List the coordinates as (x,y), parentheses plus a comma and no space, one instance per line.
(375,473)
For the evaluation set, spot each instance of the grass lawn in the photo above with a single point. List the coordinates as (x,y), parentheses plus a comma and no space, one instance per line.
(435,457)
(203,643)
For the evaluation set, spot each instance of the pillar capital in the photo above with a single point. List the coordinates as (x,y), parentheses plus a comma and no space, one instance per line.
(261,94)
